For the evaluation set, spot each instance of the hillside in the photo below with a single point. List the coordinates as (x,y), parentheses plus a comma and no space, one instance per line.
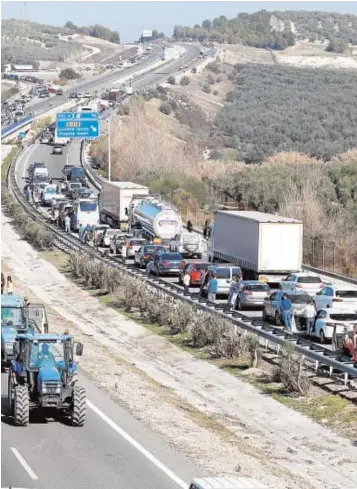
(29,42)
(275,30)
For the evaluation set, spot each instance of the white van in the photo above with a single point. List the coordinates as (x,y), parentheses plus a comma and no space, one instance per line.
(85,211)
(227,482)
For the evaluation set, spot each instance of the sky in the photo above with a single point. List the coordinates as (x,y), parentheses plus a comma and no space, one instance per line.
(131,18)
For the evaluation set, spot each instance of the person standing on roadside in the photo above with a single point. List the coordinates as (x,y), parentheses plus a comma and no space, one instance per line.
(186,282)
(212,288)
(231,290)
(236,290)
(9,285)
(67,224)
(286,307)
(310,312)
(3,283)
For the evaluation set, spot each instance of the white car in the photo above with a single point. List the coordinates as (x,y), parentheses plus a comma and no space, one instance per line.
(303,281)
(45,140)
(57,150)
(329,318)
(336,295)
(108,236)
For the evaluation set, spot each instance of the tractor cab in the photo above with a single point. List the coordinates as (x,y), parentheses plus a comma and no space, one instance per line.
(44,375)
(18,317)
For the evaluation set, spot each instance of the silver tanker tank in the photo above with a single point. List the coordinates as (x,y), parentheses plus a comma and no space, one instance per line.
(157,218)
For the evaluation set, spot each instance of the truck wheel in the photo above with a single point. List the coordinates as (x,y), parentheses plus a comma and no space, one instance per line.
(79,409)
(21,405)
(10,392)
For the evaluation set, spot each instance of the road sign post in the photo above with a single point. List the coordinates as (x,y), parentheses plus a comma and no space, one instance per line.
(77,125)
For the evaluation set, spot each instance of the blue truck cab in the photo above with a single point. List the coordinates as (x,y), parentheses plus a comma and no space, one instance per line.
(13,322)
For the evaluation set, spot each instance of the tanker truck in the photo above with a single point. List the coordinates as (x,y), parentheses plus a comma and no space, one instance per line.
(152,217)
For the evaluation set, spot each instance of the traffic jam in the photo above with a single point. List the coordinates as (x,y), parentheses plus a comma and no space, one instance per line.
(235,262)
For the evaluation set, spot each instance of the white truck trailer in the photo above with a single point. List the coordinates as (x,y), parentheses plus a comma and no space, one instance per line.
(115,201)
(266,246)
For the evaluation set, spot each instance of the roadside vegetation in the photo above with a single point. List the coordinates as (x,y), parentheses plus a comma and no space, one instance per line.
(273,30)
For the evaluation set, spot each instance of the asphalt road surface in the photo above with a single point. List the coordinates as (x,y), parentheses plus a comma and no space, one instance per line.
(112,450)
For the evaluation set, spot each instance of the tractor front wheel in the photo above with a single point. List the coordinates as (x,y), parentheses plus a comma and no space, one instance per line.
(21,405)
(79,409)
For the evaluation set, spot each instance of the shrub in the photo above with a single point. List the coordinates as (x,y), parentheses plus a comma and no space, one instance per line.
(194,70)
(172,80)
(165,108)
(173,104)
(213,67)
(215,92)
(218,79)
(69,74)
(291,373)
(184,80)
(206,88)
(210,80)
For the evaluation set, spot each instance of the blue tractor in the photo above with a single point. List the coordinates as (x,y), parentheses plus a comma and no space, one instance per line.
(44,377)
(17,316)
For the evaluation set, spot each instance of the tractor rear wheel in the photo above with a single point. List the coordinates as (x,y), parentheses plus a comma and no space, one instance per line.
(21,405)
(79,409)
(10,392)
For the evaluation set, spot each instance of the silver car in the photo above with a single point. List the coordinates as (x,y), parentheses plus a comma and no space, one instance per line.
(224,275)
(252,294)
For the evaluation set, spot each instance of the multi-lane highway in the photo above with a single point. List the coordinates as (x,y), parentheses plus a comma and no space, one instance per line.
(101,82)
(112,450)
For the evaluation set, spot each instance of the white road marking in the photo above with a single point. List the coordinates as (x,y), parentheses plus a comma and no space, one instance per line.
(23,462)
(69,152)
(139,447)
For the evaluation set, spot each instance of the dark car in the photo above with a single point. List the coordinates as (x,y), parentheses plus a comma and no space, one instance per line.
(196,271)
(72,95)
(163,263)
(77,174)
(82,193)
(145,253)
(66,170)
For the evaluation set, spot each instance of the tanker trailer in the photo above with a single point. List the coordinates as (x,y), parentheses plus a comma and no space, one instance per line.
(155,218)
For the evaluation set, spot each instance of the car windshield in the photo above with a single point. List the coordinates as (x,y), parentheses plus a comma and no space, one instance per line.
(171,256)
(223,273)
(75,185)
(309,280)
(38,350)
(13,314)
(190,238)
(346,294)
(344,317)
(299,298)
(51,190)
(88,206)
(258,287)
(111,232)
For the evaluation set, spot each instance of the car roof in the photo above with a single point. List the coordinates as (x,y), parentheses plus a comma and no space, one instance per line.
(44,337)
(305,274)
(293,292)
(11,300)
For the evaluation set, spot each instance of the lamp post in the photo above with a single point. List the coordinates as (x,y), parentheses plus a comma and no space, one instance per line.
(109,150)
